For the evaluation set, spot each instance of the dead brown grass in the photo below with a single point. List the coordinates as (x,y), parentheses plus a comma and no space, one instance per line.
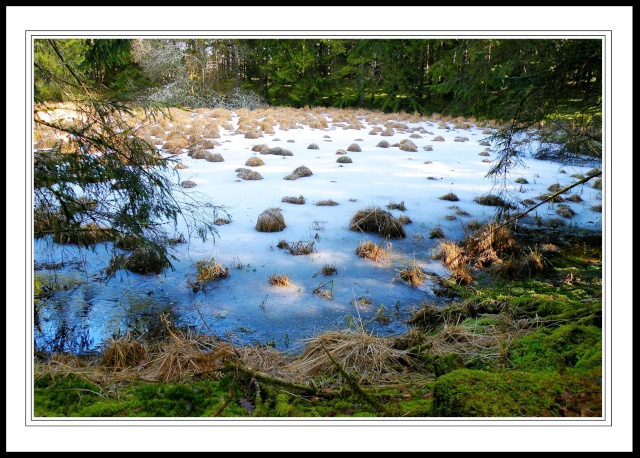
(413,275)
(299,172)
(254,162)
(326,203)
(378,221)
(301,247)
(270,220)
(294,200)
(408,145)
(184,355)
(123,352)
(279,280)
(490,243)
(248,175)
(210,270)
(373,358)
(450,253)
(376,252)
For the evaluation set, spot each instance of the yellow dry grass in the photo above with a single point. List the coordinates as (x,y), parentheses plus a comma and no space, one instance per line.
(370,250)
(372,358)
(279,280)
(450,253)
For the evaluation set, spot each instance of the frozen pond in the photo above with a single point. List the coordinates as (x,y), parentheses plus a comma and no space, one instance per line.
(245,307)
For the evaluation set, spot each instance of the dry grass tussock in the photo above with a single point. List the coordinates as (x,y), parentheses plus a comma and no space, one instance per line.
(490,243)
(270,220)
(294,200)
(279,280)
(300,247)
(185,355)
(377,221)
(210,270)
(326,203)
(408,145)
(413,275)
(450,253)
(248,175)
(124,352)
(376,252)
(487,339)
(299,172)
(254,162)
(373,358)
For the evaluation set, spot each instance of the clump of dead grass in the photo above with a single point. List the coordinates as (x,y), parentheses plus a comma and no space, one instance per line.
(294,200)
(383,144)
(329,269)
(493,200)
(210,270)
(354,147)
(254,162)
(301,247)
(413,275)
(408,145)
(436,233)
(123,352)
(375,252)
(277,151)
(373,358)
(344,160)
(299,172)
(253,133)
(397,206)
(184,355)
(461,275)
(248,175)
(450,197)
(378,221)
(279,280)
(213,157)
(260,148)
(565,211)
(270,220)
(326,203)
(450,253)
(490,243)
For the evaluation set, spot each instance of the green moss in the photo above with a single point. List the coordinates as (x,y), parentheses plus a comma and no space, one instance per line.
(569,346)
(72,396)
(63,396)
(473,393)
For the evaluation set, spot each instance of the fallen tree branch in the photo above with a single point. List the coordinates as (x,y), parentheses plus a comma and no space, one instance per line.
(547,199)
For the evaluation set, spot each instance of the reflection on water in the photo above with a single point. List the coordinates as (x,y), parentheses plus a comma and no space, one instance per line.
(81,311)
